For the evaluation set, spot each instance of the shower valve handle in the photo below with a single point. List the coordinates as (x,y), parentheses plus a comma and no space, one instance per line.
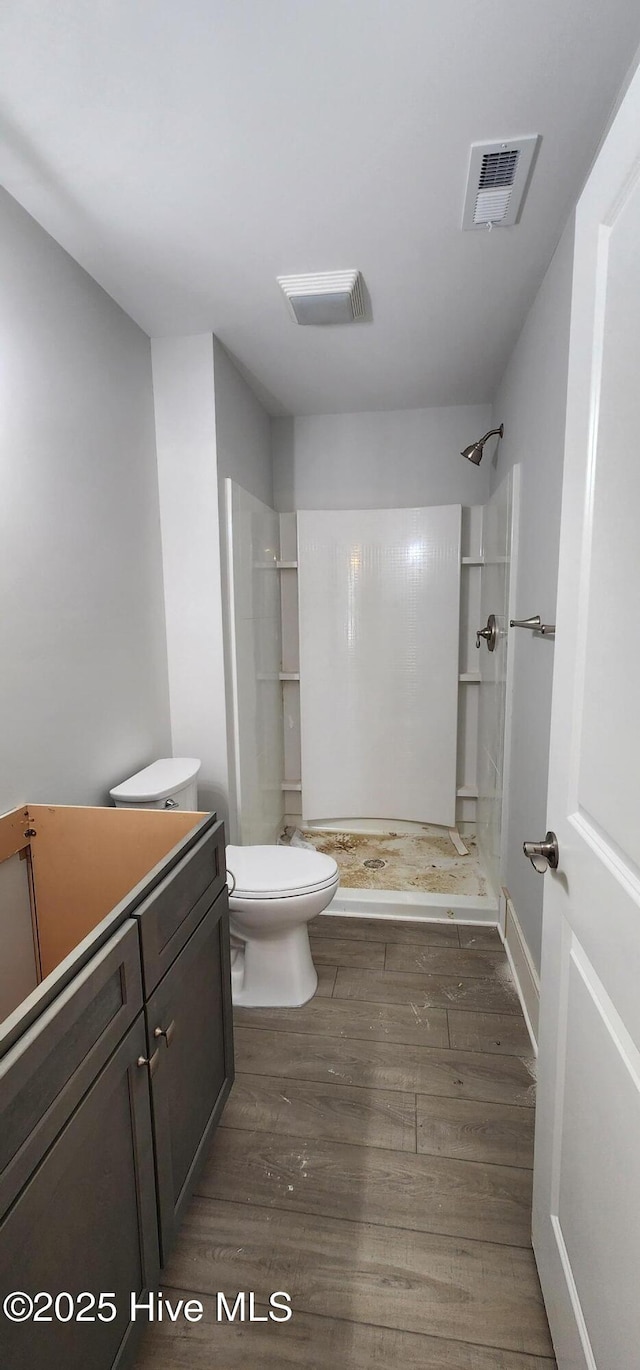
(490,633)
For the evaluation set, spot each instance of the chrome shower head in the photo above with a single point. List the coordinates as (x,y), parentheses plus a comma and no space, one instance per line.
(475,450)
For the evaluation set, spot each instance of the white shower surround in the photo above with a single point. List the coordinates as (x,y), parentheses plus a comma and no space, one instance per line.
(379,646)
(254,625)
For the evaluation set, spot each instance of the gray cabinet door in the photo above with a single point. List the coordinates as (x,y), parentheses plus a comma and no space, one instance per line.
(191,1008)
(44,1076)
(86,1222)
(175,907)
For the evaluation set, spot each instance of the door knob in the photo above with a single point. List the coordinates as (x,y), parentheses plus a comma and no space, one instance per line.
(543,855)
(490,633)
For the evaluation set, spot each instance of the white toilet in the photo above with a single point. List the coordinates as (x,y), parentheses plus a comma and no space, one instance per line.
(273,893)
(277,891)
(166,784)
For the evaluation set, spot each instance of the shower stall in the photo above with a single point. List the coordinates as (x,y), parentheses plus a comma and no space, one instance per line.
(364,718)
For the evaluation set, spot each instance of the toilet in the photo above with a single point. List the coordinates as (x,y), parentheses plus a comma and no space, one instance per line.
(273,893)
(167,784)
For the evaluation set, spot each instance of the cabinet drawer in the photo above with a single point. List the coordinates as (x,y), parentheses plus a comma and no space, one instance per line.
(44,1076)
(86,1221)
(170,915)
(193,1068)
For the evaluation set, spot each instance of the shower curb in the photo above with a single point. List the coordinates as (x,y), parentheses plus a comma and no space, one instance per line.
(425,908)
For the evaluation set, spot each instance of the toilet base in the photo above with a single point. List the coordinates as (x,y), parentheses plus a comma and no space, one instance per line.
(275,971)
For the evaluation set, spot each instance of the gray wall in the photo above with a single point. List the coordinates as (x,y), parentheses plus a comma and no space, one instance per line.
(404,458)
(83,685)
(531,401)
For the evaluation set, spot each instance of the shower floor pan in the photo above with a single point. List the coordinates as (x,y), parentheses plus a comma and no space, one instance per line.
(412,875)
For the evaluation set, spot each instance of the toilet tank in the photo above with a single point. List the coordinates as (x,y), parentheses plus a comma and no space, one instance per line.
(167,784)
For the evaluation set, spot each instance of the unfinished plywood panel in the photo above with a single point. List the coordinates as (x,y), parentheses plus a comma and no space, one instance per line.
(18,963)
(86,860)
(13,829)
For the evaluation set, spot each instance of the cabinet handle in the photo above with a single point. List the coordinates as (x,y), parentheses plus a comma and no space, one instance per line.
(152,1062)
(168,1033)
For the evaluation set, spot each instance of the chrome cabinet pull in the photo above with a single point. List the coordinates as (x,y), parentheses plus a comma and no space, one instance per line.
(543,855)
(151,1061)
(168,1033)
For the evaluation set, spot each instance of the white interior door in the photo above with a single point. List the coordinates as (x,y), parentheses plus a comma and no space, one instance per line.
(587,1168)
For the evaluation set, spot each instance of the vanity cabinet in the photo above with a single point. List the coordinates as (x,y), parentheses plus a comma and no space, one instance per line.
(190,1064)
(85,1222)
(114,1071)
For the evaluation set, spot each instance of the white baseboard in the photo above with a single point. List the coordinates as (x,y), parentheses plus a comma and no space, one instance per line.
(527,980)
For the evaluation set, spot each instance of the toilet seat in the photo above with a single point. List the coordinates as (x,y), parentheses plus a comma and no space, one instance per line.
(279,872)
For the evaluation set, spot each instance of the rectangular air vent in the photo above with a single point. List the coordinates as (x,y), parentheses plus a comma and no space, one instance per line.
(498,177)
(324,297)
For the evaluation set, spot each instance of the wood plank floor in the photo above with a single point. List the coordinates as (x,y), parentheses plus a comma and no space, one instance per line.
(374,1161)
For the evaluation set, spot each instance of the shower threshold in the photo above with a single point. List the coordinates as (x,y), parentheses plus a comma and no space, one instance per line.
(414,871)
(427,907)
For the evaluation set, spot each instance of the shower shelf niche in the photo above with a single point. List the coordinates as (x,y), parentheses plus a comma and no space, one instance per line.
(470,678)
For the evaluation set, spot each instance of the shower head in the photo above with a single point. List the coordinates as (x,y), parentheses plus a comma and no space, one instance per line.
(474,451)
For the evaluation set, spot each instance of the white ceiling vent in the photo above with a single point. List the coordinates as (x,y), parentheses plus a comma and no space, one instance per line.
(325,297)
(498,178)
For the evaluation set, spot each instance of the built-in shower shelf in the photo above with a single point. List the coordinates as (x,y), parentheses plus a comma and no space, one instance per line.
(472,561)
(291,785)
(289,675)
(470,677)
(467,792)
(275,565)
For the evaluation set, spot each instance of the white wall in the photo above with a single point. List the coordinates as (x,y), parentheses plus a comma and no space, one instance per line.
(531,401)
(254,698)
(243,430)
(404,458)
(209,425)
(83,685)
(494,711)
(188,478)
(243,455)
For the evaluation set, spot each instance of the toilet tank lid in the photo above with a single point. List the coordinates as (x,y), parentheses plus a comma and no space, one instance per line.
(158,781)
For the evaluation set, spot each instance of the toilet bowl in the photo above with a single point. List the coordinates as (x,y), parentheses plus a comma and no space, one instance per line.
(277,891)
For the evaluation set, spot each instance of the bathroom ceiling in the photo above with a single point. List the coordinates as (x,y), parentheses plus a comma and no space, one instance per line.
(187,154)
